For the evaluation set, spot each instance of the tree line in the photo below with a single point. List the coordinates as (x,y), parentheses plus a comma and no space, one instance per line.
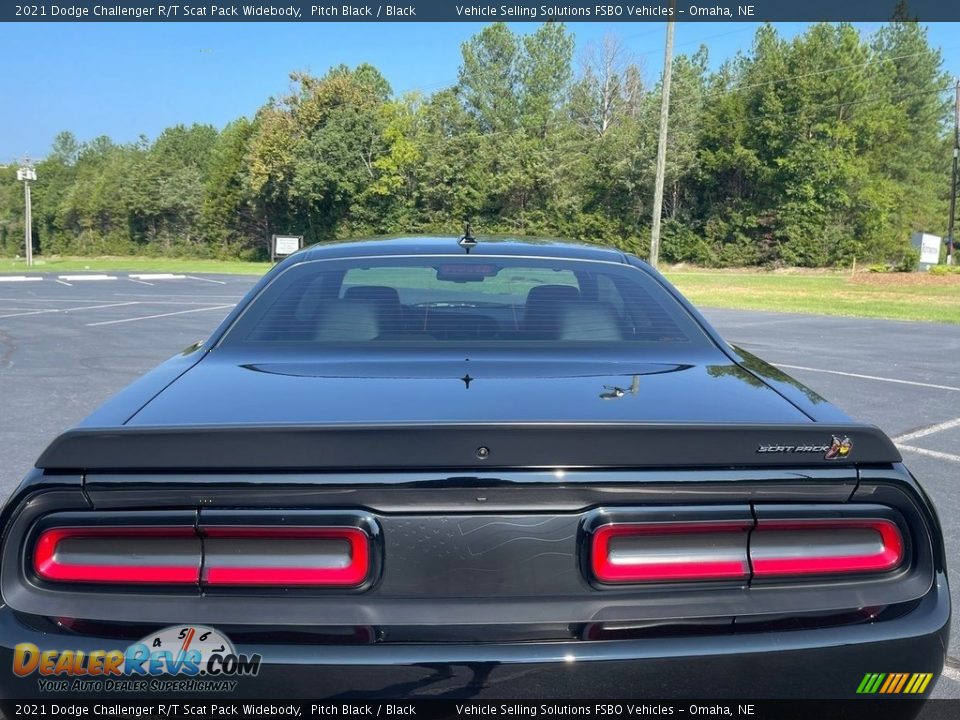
(811,151)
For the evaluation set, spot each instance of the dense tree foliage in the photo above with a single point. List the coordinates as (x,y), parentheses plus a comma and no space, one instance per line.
(809,151)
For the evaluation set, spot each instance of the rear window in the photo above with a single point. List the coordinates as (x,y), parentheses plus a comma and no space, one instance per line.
(479,299)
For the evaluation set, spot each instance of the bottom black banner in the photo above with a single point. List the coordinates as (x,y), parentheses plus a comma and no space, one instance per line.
(434,709)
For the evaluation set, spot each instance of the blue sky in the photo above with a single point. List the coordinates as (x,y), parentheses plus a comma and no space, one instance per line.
(128,79)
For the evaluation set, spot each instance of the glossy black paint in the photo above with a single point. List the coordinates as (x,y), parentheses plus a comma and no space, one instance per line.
(480,587)
(458,565)
(375,388)
(460,446)
(721,660)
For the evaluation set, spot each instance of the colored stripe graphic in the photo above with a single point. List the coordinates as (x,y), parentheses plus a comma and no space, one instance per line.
(890,682)
(918,683)
(871,683)
(903,680)
(894,683)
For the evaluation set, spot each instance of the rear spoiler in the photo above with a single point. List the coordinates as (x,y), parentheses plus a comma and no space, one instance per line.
(465,447)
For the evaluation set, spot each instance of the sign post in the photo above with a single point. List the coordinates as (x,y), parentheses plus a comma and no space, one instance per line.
(26,173)
(283,245)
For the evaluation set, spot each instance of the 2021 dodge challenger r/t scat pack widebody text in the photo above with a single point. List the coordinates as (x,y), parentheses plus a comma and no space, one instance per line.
(499,469)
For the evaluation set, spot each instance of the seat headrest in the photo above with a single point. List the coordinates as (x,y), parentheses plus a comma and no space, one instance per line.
(380,293)
(587,321)
(552,293)
(347,320)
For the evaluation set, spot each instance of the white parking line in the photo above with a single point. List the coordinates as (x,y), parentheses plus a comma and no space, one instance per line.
(929,430)
(218,282)
(217,297)
(47,311)
(161,315)
(97,307)
(871,377)
(930,453)
(87,277)
(144,299)
(141,282)
(29,312)
(19,278)
(63,282)
(156,276)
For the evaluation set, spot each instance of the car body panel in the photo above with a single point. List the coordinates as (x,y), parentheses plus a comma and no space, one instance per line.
(480,474)
(219,391)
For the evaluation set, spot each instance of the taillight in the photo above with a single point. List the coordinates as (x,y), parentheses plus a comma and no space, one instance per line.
(670,552)
(237,549)
(784,542)
(790,548)
(285,556)
(157,555)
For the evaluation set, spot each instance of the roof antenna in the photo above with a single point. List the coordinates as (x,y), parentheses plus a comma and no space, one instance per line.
(468,242)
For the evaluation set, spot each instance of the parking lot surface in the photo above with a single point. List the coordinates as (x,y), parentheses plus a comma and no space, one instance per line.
(69,342)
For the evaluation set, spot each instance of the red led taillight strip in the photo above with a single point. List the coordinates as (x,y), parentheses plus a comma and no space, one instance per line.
(790,548)
(337,557)
(142,555)
(774,548)
(670,552)
(318,557)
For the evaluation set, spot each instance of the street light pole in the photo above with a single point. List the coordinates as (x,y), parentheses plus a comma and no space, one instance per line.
(26,173)
(662,144)
(951,244)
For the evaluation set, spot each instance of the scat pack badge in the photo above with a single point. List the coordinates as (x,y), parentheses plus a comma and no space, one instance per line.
(191,652)
(838,449)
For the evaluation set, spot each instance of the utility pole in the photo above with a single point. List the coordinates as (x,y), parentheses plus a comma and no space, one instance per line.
(953,182)
(662,141)
(26,173)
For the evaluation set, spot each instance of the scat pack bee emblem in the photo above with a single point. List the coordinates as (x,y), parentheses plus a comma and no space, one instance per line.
(838,449)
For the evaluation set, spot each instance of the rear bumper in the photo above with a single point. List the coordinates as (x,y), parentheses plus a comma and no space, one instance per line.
(817,663)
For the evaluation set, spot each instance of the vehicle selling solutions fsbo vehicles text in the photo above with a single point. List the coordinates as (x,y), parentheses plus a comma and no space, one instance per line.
(600,10)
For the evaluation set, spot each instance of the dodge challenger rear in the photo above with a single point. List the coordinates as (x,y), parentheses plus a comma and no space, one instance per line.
(418,467)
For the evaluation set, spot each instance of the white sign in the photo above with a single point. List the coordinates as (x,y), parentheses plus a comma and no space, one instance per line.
(930,248)
(286,244)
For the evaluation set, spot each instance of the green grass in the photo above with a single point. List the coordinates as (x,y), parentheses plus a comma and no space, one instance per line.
(893,296)
(133,264)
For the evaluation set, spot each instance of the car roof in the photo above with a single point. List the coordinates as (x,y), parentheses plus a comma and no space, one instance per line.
(440,245)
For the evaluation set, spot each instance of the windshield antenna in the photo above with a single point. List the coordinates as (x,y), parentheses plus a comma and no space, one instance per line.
(468,242)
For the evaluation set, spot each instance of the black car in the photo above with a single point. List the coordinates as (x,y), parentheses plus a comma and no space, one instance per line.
(420,467)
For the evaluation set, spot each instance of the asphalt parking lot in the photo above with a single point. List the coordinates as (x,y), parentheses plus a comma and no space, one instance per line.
(69,342)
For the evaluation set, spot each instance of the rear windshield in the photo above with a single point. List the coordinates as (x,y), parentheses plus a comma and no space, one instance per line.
(480,299)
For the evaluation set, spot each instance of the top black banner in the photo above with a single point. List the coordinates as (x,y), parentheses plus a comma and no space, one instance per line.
(463,10)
